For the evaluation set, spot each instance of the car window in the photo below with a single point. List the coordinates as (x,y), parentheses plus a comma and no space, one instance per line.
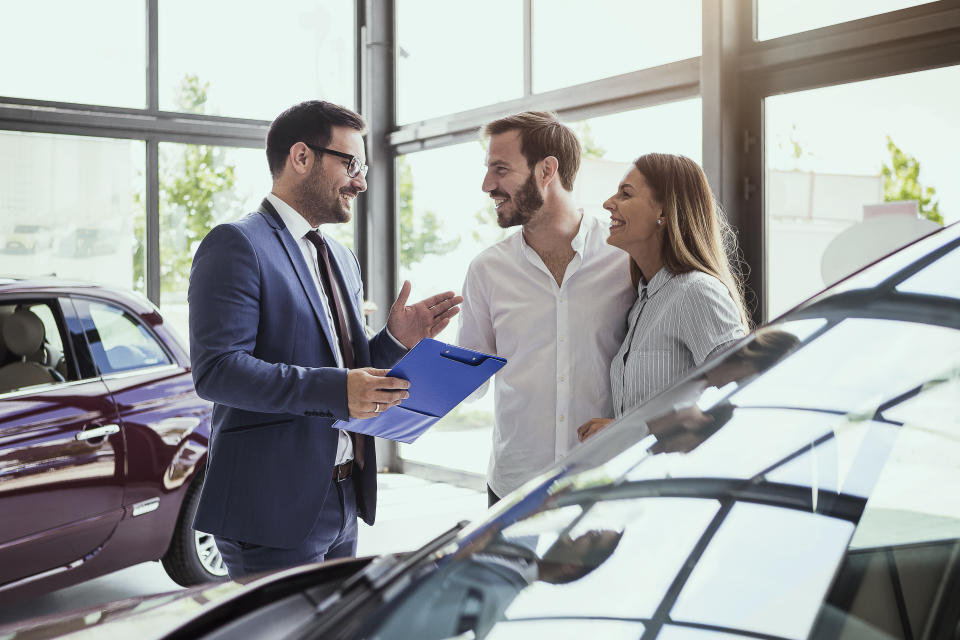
(938,279)
(904,558)
(890,266)
(31,345)
(766,570)
(829,373)
(557,571)
(124,343)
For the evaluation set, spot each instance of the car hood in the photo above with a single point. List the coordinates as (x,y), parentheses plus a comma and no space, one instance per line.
(156,616)
(144,617)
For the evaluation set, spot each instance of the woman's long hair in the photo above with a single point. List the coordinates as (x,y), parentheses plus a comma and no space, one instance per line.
(696,235)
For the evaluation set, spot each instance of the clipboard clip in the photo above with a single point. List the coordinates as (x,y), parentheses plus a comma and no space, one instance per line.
(463,356)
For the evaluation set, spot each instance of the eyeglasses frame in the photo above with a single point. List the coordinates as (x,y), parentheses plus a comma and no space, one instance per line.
(361,168)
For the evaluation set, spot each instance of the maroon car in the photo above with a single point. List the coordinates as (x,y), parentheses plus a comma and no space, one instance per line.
(103,440)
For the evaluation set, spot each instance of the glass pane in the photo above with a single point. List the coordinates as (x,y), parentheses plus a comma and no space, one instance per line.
(200,187)
(853,172)
(939,279)
(905,507)
(445,220)
(124,343)
(454,59)
(777,18)
(903,554)
(646,548)
(766,570)
(72,206)
(830,373)
(636,35)
(75,52)
(236,51)
(611,143)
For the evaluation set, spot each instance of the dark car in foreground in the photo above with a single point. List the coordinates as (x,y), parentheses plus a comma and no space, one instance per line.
(102,439)
(803,484)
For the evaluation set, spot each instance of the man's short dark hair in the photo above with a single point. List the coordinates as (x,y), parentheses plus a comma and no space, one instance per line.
(542,135)
(309,121)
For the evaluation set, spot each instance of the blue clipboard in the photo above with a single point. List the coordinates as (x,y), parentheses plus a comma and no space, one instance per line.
(441,376)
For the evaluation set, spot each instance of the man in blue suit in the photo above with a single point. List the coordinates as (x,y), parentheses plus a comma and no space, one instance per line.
(278,344)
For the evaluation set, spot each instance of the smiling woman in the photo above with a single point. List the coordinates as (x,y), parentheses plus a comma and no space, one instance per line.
(690,303)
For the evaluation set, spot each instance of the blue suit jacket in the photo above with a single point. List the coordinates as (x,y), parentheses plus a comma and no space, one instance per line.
(262,352)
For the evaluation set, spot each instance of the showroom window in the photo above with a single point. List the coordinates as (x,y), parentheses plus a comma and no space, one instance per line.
(443,69)
(75,52)
(445,220)
(849,165)
(611,144)
(72,206)
(260,58)
(200,187)
(574,42)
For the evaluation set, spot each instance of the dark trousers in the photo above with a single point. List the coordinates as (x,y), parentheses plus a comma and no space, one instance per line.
(334,535)
(492,498)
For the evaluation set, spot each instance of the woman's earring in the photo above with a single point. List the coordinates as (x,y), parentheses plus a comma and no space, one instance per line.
(660,221)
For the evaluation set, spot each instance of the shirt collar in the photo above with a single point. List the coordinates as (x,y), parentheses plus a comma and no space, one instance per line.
(296,224)
(579,241)
(659,279)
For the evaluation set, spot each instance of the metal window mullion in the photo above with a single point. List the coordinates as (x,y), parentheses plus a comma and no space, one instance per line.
(376,211)
(153,58)
(645,87)
(153,220)
(527,47)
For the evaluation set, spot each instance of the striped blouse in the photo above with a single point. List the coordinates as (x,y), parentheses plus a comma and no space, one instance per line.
(677,321)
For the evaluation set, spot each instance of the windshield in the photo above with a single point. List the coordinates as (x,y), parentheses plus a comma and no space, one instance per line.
(795,483)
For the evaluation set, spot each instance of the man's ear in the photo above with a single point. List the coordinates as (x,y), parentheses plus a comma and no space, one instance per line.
(299,158)
(549,168)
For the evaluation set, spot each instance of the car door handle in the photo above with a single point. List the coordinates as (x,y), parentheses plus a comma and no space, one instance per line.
(98,432)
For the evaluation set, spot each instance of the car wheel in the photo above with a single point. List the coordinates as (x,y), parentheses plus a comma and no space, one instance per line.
(192,557)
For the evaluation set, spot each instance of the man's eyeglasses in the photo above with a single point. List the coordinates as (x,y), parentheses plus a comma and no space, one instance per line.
(355,167)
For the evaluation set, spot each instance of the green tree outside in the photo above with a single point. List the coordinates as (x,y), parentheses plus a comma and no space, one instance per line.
(196,193)
(901,181)
(419,236)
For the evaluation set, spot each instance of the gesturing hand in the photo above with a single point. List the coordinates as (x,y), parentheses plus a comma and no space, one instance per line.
(370,391)
(425,319)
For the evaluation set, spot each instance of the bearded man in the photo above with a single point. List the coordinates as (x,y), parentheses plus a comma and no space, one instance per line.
(552,299)
(278,345)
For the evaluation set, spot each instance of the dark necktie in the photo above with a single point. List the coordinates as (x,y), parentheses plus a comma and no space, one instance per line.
(334,297)
(335,302)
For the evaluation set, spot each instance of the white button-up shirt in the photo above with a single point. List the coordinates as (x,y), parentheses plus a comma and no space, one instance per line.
(558,342)
(298,227)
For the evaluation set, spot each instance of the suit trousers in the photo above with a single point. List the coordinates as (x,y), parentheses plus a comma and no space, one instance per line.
(334,535)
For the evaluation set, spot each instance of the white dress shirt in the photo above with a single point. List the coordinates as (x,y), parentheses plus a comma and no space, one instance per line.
(298,227)
(558,342)
(678,320)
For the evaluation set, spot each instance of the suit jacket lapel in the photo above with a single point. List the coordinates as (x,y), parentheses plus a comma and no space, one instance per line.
(302,271)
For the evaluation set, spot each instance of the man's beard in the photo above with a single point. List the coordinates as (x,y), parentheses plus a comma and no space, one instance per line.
(317,204)
(527,202)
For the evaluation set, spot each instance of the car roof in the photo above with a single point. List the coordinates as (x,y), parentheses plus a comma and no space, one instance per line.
(54,286)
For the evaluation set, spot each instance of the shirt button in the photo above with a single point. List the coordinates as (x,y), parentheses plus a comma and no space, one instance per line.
(561,418)
(560,338)
(562,379)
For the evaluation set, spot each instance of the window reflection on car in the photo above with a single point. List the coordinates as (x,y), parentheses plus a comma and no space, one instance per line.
(782,490)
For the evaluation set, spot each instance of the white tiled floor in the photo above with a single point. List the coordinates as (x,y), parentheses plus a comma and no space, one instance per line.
(410,512)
